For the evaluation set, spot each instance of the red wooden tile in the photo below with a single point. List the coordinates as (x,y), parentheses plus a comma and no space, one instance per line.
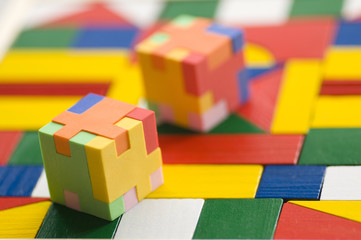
(298,222)
(97,15)
(341,88)
(8,142)
(11,202)
(261,105)
(298,38)
(230,149)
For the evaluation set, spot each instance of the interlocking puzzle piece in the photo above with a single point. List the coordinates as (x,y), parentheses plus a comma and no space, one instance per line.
(331,146)
(291,182)
(194,72)
(238,219)
(161,219)
(296,222)
(101,156)
(231,149)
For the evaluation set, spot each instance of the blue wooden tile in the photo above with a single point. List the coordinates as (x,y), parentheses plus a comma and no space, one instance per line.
(243,84)
(291,182)
(256,72)
(85,103)
(236,35)
(18,180)
(349,34)
(111,37)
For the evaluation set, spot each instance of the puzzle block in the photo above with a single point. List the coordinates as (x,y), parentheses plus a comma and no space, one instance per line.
(291,182)
(101,156)
(349,34)
(331,146)
(194,72)
(238,219)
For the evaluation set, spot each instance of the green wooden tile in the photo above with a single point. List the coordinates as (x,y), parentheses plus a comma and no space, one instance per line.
(63,222)
(316,8)
(236,124)
(233,124)
(45,38)
(198,8)
(238,219)
(332,146)
(28,151)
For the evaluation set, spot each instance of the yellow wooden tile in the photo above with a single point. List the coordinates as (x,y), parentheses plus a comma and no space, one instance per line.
(298,93)
(345,209)
(342,64)
(337,111)
(24,221)
(258,56)
(209,181)
(31,113)
(63,65)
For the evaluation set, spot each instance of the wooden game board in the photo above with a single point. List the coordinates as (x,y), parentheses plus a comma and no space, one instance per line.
(285,165)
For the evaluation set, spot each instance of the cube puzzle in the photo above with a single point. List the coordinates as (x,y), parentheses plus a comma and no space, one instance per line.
(101,156)
(193,72)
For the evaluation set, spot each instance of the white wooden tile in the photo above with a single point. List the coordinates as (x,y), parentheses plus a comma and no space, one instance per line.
(342,183)
(41,188)
(142,13)
(44,12)
(161,219)
(351,9)
(253,12)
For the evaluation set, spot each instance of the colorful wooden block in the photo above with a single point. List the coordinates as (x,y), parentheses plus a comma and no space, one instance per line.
(182,65)
(316,8)
(238,219)
(161,219)
(231,149)
(341,87)
(99,154)
(291,182)
(197,8)
(296,222)
(331,146)
(342,183)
